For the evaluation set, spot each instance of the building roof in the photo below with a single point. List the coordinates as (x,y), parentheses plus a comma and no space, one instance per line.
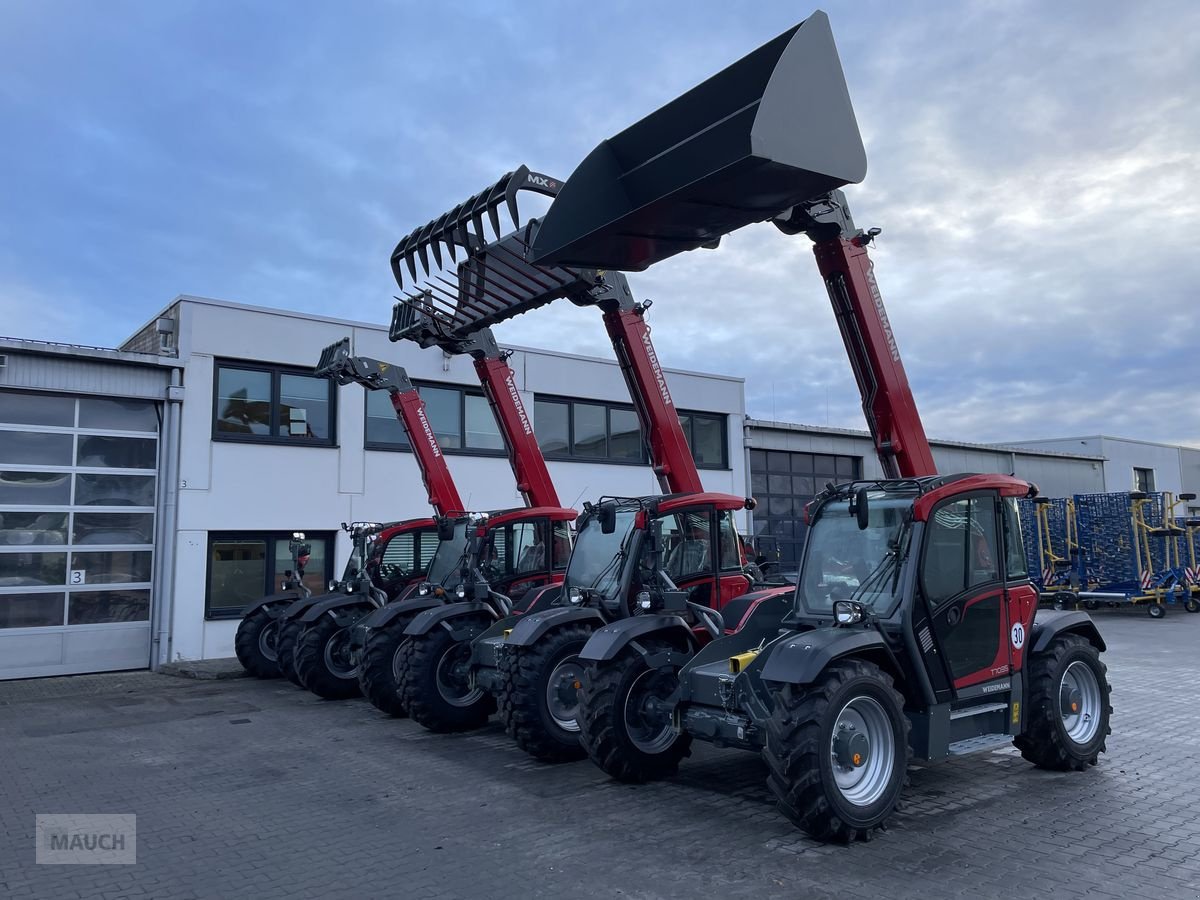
(383,328)
(83,351)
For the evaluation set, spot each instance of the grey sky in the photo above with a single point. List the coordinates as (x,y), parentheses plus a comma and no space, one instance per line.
(1034,168)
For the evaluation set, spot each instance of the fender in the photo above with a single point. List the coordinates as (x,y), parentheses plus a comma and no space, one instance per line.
(610,640)
(531,627)
(317,610)
(541,597)
(385,615)
(1049,624)
(426,621)
(800,658)
(299,606)
(283,598)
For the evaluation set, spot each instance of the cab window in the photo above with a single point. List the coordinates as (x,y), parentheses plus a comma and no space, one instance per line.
(1016,565)
(961,549)
(560,545)
(729,542)
(686,544)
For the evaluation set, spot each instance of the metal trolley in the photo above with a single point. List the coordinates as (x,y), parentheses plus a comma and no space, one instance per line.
(1114,549)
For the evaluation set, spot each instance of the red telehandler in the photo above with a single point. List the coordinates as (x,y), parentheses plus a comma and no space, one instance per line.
(486,563)
(914,630)
(687,535)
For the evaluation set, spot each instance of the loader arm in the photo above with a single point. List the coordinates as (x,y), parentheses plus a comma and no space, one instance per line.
(339,365)
(412,321)
(845,266)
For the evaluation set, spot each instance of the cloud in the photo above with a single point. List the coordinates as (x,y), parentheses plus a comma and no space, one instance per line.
(1033,167)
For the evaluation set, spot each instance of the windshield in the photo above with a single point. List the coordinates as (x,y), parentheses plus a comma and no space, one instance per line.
(446,566)
(595,562)
(844,562)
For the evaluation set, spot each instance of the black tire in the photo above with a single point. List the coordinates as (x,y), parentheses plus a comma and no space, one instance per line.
(1155,610)
(524,695)
(442,704)
(1191,604)
(321,664)
(378,673)
(289,634)
(1046,741)
(255,644)
(1091,605)
(604,696)
(801,734)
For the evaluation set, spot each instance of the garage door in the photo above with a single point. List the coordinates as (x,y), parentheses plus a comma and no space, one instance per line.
(77,491)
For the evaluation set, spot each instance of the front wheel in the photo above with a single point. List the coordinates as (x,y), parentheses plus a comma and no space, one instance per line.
(435,683)
(624,717)
(1067,719)
(289,635)
(323,660)
(837,751)
(539,695)
(1191,604)
(1156,610)
(379,672)
(255,644)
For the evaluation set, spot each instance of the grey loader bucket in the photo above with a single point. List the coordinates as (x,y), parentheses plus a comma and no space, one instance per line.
(774,129)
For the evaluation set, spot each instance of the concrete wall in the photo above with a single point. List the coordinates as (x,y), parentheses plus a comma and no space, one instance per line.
(233,486)
(1122,455)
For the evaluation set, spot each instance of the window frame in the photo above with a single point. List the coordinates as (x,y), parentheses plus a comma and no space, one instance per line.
(275,371)
(272,577)
(1148,471)
(644,459)
(463,392)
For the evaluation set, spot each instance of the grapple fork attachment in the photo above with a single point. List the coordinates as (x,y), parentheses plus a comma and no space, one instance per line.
(463,226)
(333,362)
(773,130)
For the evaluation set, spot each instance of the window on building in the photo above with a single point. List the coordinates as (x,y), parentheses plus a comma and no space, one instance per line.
(589,430)
(272,404)
(706,437)
(1143,480)
(461,420)
(783,482)
(246,566)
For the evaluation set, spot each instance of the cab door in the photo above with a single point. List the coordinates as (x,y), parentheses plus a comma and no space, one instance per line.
(689,553)
(963,588)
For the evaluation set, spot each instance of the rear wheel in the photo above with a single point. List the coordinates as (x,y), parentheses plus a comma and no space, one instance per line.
(837,751)
(285,647)
(1067,720)
(1191,604)
(624,717)
(323,660)
(379,673)
(538,697)
(255,644)
(1156,610)
(435,684)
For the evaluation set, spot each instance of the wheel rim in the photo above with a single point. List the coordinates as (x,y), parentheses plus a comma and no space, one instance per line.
(862,750)
(562,694)
(337,655)
(396,662)
(453,676)
(646,722)
(268,641)
(1079,702)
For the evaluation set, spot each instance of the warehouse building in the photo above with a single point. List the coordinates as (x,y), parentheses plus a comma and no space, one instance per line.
(148,493)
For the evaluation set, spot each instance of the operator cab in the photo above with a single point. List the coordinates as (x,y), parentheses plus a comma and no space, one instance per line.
(509,552)
(646,554)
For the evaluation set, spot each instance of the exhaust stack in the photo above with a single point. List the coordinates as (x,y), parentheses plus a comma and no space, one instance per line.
(773,130)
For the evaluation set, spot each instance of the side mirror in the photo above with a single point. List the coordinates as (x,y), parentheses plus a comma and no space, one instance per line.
(445,529)
(608,517)
(861,512)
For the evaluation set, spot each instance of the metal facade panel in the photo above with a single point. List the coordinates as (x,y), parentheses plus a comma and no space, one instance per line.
(31,371)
